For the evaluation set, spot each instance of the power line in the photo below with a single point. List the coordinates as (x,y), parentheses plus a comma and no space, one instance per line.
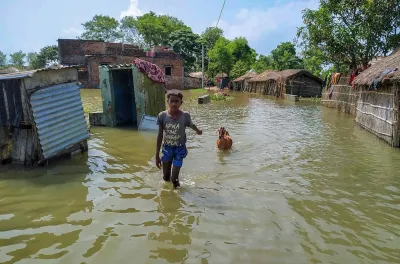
(220,14)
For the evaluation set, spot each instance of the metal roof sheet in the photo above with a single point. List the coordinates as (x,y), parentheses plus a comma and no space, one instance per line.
(59,118)
(27,74)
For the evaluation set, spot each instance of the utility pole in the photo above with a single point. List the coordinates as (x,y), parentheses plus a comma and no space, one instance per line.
(202,66)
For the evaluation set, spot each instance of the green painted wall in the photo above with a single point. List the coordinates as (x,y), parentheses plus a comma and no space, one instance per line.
(149,95)
(108,96)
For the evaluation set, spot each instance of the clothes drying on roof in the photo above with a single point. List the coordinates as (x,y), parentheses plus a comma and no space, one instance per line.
(377,82)
(354,75)
(335,78)
(151,70)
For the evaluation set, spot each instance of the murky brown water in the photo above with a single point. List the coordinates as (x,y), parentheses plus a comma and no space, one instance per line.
(302,184)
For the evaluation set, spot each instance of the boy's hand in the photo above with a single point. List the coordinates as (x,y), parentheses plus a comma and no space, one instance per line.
(158,161)
(199,132)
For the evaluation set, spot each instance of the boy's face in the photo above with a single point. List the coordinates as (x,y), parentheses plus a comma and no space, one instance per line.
(174,102)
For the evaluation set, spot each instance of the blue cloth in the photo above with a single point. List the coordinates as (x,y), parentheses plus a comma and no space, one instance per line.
(176,154)
(376,83)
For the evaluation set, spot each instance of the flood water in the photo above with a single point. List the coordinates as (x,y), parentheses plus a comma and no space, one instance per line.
(302,184)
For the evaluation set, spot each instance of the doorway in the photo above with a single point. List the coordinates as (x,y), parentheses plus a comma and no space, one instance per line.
(124,98)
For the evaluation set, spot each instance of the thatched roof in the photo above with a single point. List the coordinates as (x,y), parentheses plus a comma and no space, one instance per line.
(248,75)
(283,75)
(221,75)
(368,76)
(196,74)
(262,77)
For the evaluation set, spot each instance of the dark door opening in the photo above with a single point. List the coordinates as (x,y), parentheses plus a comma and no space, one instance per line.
(124,98)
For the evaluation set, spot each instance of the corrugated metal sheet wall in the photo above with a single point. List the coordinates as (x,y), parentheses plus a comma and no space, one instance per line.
(59,118)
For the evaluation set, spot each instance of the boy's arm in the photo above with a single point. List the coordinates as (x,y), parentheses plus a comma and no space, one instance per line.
(159,140)
(195,128)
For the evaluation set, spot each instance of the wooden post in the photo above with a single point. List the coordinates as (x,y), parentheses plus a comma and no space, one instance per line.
(396,131)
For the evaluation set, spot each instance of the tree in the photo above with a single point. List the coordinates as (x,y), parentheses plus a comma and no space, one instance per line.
(103,28)
(351,32)
(263,63)
(31,57)
(284,57)
(210,36)
(156,30)
(131,33)
(239,69)
(3,59)
(187,44)
(17,59)
(46,57)
(241,51)
(221,58)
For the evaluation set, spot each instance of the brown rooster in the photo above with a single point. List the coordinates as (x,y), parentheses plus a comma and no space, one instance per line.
(224,141)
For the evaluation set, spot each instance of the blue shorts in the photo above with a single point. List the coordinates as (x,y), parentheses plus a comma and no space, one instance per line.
(174,154)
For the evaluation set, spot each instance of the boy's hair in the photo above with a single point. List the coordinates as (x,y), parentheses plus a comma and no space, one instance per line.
(174,92)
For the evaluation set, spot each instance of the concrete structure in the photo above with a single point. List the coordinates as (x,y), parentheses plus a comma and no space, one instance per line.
(128,95)
(92,54)
(41,116)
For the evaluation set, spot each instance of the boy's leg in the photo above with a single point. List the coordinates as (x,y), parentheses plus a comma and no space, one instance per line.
(167,170)
(175,176)
(167,156)
(180,154)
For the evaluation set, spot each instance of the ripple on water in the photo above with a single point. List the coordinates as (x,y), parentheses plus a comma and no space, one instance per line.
(301,184)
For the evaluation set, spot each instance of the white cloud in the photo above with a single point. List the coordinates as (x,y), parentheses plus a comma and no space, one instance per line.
(133,10)
(256,23)
(73,31)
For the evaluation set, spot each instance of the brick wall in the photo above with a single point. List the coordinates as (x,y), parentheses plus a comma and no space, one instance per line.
(94,53)
(95,62)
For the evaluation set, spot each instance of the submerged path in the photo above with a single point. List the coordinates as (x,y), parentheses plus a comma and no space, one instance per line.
(302,184)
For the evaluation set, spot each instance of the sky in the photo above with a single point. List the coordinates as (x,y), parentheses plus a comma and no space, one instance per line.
(29,25)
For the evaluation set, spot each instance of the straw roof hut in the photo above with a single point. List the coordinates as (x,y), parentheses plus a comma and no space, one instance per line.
(240,83)
(294,82)
(378,99)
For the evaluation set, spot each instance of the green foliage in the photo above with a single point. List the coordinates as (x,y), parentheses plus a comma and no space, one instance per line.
(131,33)
(349,32)
(314,61)
(263,63)
(210,36)
(217,97)
(241,51)
(17,59)
(46,57)
(284,57)
(187,44)
(103,28)
(156,30)
(3,59)
(221,58)
(240,68)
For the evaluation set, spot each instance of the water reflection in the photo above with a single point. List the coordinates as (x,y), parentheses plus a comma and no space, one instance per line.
(176,221)
(302,184)
(39,216)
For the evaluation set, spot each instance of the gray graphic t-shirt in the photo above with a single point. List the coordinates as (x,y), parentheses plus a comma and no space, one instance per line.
(174,130)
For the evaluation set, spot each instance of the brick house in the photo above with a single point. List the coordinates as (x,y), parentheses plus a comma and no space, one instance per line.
(91,54)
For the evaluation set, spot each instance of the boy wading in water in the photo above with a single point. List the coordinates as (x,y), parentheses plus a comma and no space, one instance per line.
(172,124)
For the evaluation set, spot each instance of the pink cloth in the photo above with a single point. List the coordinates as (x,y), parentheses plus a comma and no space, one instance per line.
(151,70)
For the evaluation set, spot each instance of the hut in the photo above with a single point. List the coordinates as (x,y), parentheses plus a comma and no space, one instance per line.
(291,82)
(240,83)
(377,90)
(41,116)
(131,91)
